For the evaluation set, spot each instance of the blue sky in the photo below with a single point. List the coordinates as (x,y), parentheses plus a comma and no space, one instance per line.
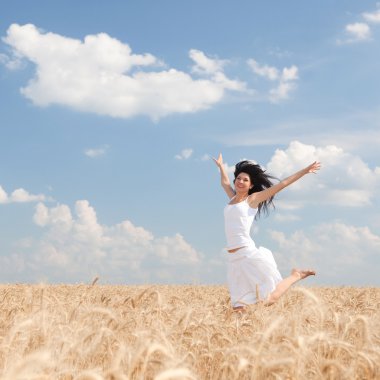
(111,112)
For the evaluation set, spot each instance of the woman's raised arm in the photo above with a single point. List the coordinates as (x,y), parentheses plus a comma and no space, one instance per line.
(224,180)
(256,198)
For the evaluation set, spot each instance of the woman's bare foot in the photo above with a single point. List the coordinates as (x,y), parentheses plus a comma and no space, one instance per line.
(303,273)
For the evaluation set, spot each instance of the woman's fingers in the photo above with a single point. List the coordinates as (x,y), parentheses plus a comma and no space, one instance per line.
(314,167)
(219,160)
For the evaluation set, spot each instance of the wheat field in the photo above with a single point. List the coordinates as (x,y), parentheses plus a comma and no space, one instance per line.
(164,332)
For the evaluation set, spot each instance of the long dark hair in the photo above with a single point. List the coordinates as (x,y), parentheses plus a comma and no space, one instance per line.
(260,181)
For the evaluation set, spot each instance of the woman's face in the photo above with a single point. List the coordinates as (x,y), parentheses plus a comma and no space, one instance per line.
(242,183)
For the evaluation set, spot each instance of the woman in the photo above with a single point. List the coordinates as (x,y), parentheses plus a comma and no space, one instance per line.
(252,272)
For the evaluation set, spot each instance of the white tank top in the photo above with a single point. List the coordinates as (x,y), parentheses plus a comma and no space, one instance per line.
(238,219)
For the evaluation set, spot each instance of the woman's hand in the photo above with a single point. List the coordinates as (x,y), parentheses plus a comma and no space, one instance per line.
(219,161)
(224,180)
(312,168)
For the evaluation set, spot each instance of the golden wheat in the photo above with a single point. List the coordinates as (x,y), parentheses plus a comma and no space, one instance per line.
(96,332)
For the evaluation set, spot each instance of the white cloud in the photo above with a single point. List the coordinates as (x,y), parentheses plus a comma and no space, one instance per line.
(266,71)
(350,197)
(175,250)
(289,73)
(359,31)
(286,79)
(3,196)
(344,180)
(96,152)
(11,63)
(286,85)
(41,215)
(101,75)
(373,17)
(213,67)
(229,84)
(20,196)
(281,92)
(340,253)
(204,64)
(184,155)
(76,247)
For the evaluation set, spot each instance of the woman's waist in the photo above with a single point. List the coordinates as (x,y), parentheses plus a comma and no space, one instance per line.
(235,246)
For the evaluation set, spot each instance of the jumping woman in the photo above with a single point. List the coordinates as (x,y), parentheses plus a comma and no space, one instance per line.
(252,273)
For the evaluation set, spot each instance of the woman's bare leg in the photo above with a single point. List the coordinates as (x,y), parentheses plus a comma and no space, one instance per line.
(286,283)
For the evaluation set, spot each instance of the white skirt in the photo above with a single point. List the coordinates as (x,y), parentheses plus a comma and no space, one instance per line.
(252,273)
